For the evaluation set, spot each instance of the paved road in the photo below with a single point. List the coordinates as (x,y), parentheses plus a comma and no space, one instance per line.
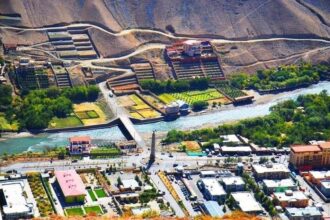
(168,197)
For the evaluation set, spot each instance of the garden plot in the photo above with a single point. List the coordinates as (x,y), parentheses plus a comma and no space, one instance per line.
(190,97)
(137,107)
(89,113)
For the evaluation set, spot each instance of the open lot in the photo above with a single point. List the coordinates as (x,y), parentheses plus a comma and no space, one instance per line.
(137,107)
(89,113)
(209,95)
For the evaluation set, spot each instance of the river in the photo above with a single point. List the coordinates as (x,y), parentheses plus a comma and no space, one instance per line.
(39,142)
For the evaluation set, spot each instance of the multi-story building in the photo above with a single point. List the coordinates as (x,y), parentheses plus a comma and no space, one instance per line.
(212,189)
(271,186)
(308,213)
(233,184)
(80,145)
(307,157)
(270,171)
(291,198)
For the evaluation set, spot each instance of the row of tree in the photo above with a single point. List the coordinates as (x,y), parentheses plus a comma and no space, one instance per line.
(290,122)
(171,86)
(37,108)
(283,77)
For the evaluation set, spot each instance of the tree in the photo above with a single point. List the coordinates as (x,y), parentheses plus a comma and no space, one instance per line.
(199,105)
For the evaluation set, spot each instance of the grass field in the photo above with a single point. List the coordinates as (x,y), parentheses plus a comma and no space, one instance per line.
(191,146)
(77,211)
(192,96)
(90,113)
(93,209)
(6,126)
(100,193)
(92,194)
(137,107)
(71,121)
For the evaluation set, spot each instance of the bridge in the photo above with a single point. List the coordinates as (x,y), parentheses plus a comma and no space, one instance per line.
(126,124)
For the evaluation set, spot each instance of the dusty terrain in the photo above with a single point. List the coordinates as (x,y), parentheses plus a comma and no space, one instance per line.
(228,19)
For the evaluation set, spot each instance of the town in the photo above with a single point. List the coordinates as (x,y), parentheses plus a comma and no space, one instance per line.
(203,113)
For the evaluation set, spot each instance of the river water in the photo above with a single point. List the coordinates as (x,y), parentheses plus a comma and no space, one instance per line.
(39,142)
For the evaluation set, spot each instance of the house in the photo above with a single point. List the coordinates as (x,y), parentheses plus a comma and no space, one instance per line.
(15,202)
(212,189)
(72,187)
(291,198)
(192,47)
(246,202)
(308,213)
(230,139)
(271,186)
(80,145)
(270,171)
(233,184)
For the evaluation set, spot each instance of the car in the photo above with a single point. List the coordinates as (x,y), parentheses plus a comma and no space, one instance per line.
(175,165)
(121,172)
(170,155)
(74,161)
(110,94)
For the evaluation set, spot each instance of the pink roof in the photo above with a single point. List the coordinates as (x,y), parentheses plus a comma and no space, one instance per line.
(80,139)
(70,183)
(305,148)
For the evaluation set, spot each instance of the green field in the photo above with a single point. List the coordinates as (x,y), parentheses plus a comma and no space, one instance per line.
(87,114)
(71,121)
(93,209)
(100,193)
(92,195)
(191,96)
(77,211)
(229,90)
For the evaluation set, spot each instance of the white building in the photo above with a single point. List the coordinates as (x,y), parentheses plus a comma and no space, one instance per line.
(208,173)
(212,189)
(308,213)
(271,186)
(291,198)
(231,138)
(271,171)
(236,150)
(246,202)
(233,184)
(17,203)
(192,47)
(130,184)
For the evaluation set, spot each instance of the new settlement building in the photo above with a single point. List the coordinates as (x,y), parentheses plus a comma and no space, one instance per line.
(72,187)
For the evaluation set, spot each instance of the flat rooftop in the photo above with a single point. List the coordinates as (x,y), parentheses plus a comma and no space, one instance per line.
(130,183)
(305,148)
(234,180)
(320,174)
(270,168)
(230,138)
(236,149)
(213,186)
(70,183)
(246,202)
(290,195)
(14,196)
(303,212)
(279,183)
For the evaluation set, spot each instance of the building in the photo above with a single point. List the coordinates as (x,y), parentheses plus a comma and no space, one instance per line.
(72,187)
(213,209)
(325,188)
(172,109)
(308,213)
(230,139)
(130,184)
(127,146)
(291,198)
(212,189)
(307,157)
(208,173)
(316,177)
(271,186)
(14,200)
(80,145)
(270,171)
(233,184)
(192,47)
(239,150)
(246,202)
(183,106)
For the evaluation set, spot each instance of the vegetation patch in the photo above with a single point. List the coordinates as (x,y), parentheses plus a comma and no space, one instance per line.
(191,146)
(100,193)
(93,209)
(92,195)
(70,121)
(76,211)
(90,113)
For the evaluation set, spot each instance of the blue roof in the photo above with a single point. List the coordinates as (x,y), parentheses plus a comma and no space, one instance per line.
(213,208)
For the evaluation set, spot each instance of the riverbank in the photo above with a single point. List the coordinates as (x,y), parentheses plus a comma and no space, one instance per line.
(226,114)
